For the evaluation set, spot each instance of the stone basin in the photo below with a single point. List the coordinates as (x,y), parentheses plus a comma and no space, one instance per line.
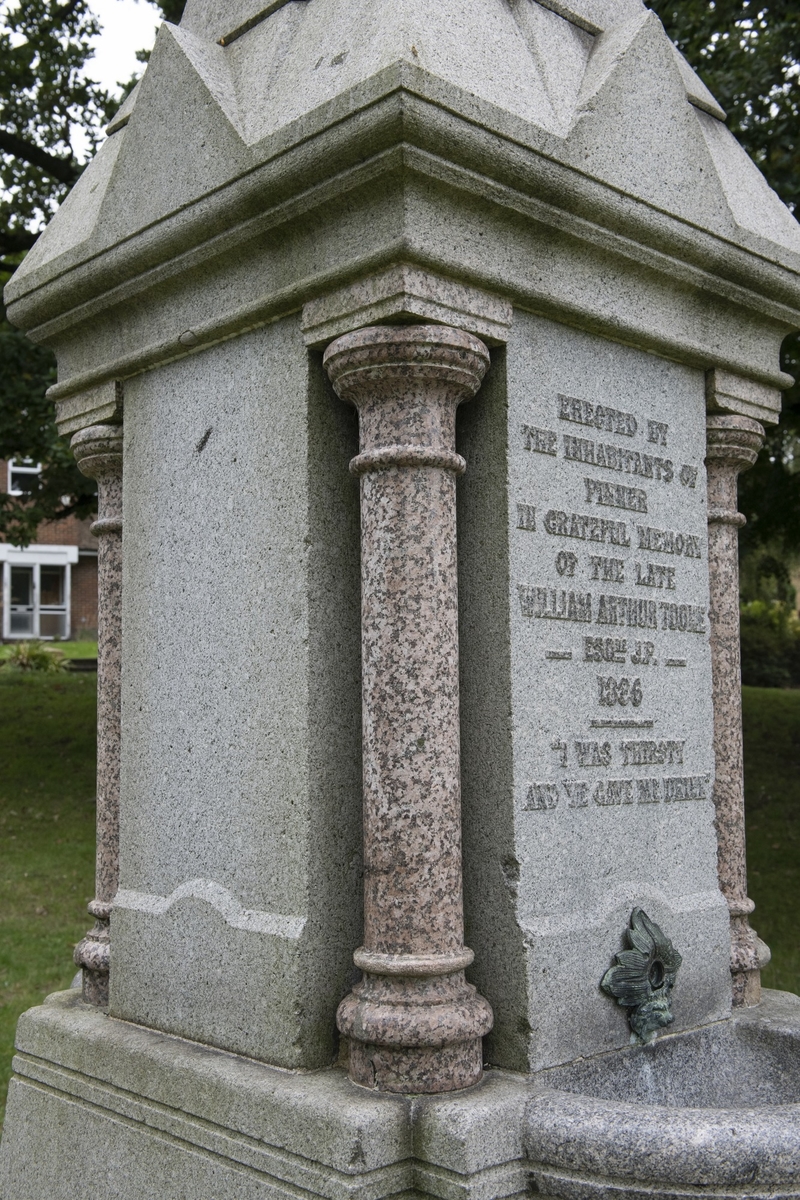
(714,1112)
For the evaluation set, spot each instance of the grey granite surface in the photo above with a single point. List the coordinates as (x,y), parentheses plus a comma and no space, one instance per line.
(142,1106)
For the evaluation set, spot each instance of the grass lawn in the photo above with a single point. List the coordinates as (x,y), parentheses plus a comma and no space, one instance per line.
(47,812)
(47,817)
(772,791)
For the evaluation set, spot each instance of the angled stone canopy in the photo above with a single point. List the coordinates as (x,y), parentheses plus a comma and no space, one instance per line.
(252,116)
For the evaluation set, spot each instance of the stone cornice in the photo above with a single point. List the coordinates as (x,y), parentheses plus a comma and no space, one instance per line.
(402,106)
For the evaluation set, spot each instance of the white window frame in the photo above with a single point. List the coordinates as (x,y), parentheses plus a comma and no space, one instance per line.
(22,466)
(36,557)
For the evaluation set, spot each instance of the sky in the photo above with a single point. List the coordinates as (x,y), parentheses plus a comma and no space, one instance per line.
(128,26)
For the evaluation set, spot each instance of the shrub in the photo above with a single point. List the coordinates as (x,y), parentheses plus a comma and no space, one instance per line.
(770,644)
(35,656)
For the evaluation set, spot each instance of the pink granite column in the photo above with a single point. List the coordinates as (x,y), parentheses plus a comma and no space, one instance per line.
(733,443)
(98,451)
(414,1023)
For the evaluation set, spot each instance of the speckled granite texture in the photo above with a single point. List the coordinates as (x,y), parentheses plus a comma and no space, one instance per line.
(554,179)
(414,1023)
(712,1113)
(732,445)
(98,453)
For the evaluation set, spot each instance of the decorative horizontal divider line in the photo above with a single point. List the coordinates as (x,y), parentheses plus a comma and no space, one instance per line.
(619,896)
(220,899)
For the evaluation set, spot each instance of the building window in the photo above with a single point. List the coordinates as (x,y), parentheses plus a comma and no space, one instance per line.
(36,591)
(21,616)
(22,473)
(52,606)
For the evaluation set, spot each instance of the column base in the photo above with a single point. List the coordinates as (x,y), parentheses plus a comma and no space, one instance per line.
(415,1035)
(93,955)
(416,1069)
(749,955)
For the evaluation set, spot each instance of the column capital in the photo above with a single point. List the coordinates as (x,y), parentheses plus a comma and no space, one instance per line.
(733,439)
(371,363)
(406,382)
(98,451)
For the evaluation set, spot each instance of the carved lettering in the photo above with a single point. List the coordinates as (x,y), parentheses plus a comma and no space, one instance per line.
(685,787)
(582,412)
(655,575)
(619,691)
(609,570)
(586,528)
(555,605)
(627,610)
(684,618)
(593,754)
(526,517)
(566,563)
(613,791)
(561,750)
(657,432)
(649,754)
(543,441)
(688,476)
(648,791)
(577,793)
(617,458)
(608,793)
(664,541)
(643,655)
(599,649)
(541,796)
(615,495)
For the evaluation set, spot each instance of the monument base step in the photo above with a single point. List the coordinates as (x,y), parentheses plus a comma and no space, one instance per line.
(102,1108)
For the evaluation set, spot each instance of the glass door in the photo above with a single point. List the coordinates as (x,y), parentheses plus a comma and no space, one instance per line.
(52,602)
(22,607)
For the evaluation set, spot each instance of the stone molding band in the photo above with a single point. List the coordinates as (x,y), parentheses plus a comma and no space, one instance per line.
(741,908)
(93,954)
(412,964)
(107,525)
(726,516)
(385,457)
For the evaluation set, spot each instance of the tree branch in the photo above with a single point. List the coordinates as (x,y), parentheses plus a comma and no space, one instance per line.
(65,170)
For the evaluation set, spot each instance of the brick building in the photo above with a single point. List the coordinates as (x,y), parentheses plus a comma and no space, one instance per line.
(49,588)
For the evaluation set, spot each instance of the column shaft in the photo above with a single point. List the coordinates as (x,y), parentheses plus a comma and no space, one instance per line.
(98,451)
(733,443)
(414,1023)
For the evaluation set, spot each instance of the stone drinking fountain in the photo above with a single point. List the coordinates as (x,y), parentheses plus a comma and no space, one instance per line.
(432,338)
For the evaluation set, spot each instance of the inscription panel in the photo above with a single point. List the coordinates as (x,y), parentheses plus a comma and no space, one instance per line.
(613,745)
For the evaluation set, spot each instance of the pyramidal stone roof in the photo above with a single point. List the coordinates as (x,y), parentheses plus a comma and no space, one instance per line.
(246,102)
